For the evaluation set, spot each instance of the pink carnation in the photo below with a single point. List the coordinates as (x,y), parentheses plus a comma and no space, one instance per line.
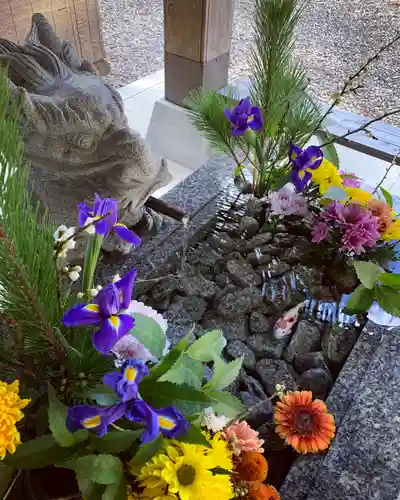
(360,227)
(243,438)
(320,232)
(287,202)
(350,179)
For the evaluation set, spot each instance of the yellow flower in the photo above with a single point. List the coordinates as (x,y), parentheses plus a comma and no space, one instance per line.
(326,176)
(185,471)
(357,195)
(393,233)
(10,413)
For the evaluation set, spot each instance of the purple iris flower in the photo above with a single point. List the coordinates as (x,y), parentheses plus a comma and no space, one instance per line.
(109,311)
(94,418)
(169,421)
(304,160)
(101,207)
(125,383)
(244,116)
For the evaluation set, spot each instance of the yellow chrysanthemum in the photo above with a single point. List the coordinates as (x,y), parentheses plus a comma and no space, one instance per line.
(327,175)
(357,195)
(10,413)
(393,233)
(185,471)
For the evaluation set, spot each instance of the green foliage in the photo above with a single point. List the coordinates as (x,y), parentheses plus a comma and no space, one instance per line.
(185,371)
(368,273)
(194,436)
(57,422)
(27,267)
(330,152)
(100,469)
(207,347)
(146,452)
(360,300)
(391,280)
(101,394)
(224,373)
(389,299)
(388,197)
(115,441)
(226,404)
(6,474)
(149,333)
(37,453)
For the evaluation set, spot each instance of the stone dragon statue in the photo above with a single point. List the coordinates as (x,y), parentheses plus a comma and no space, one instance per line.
(75,131)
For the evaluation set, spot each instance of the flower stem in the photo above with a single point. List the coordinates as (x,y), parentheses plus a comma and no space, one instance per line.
(91,258)
(389,168)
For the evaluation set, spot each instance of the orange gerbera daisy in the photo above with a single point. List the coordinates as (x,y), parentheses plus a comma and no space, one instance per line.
(260,491)
(305,424)
(382,212)
(252,466)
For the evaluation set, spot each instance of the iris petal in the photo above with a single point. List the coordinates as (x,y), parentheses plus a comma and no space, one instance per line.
(82,314)
(125,286)
(126,234)
(112,329)
(84,212)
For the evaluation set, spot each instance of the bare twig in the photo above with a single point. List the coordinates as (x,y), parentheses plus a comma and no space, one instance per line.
(8,492)
(389,168)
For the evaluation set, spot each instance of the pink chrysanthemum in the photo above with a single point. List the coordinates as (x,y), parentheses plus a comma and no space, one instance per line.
(320,232)
(287,202)
(243,438)
(361,228)
(350,179)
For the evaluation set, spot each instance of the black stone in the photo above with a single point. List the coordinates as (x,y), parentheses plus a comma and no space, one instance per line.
(236,349)
(310,360)
(259,323)
(198,286)
(187,309)
(249,225)
(305,339)
(222,242)
(252,386)
(275,371)
(258,241)
(265,346)
(242,273)
(316,380)
(337,342)
(233,329)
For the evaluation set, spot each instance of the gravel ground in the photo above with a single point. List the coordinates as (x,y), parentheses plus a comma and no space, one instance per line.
(334,39)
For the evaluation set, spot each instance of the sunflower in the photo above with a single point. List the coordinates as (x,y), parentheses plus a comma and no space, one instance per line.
(252,466)
(260,491)
(186,471)
(305,424)
(357,195)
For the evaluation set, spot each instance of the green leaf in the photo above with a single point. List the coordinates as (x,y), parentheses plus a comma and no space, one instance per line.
(238,169)
(226,404)
(146,452)
(183,397)
(368,273)
(101,469)
(330,152)
(195,436)
(391,280)
(174,354)
(389,299)
(63,341)
(89,489)
(115,441)
(37,453)
(360,300)
(224,373)
(115,491)
(6,474)
(57,422)
(149,333)
(186,370)
(388,197)
(102,394)
(207,347)
(335,193)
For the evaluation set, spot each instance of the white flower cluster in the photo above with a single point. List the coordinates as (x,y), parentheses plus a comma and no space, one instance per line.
(72,272)
(62,234)
(212,422)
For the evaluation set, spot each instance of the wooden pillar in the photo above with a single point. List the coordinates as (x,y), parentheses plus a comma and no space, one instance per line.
(197,42)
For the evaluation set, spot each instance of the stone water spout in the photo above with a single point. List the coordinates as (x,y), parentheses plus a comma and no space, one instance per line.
(75,131)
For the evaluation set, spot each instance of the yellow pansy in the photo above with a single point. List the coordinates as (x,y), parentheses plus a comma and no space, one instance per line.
(327,175)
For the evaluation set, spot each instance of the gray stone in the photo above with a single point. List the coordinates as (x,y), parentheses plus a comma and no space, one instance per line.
(258,241)
(259,323)
(265,346)
(316,380)
(305,339)
(223,280)
(294,255)
(255,207)
(252,386)
(233,329)
(208,373)
(337,342)
(249,225)
(259,410)
(242,273)
(239,302)
(164,289)
(236,349)
(275,268)
(222,242)
(310,360)
(187,309)
(275,371)
(258,258)
(197,285)
(284,239)
(204,255)
(76,134)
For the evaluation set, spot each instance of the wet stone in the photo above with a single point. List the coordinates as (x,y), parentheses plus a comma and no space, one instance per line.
(242,273)
(199,286)
(258,241)
(305,339)
(275,268)
(337,342)
(316,380)
(223,280)
(310,360)
(259,323)
(204,255)
(222,242)
(249,226)
(235,349)
(265,346)
(258,258)
(284,239)
(255,207)
(275,371)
